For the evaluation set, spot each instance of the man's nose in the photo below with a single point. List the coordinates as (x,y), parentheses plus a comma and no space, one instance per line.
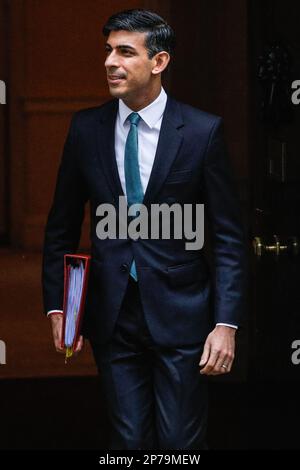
(111,60)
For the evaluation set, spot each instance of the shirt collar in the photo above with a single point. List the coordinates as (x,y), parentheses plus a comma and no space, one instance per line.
(150,114)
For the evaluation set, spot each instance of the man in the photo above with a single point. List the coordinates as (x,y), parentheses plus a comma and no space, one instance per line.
(148,312)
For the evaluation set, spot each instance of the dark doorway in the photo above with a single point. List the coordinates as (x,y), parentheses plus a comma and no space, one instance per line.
(275,177)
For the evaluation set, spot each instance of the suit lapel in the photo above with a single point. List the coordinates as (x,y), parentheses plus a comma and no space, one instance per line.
(169,142)
(106,148)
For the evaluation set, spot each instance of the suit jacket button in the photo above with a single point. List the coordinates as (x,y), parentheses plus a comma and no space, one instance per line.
(124,267)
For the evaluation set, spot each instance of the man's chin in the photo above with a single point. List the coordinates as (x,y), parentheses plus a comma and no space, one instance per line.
(117,92)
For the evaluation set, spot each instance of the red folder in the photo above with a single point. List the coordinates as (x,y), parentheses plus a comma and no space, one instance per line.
(74,260)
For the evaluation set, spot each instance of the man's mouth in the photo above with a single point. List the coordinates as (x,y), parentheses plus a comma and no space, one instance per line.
(115,78)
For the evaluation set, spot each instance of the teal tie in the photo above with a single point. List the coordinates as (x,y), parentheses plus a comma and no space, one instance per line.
(134,189)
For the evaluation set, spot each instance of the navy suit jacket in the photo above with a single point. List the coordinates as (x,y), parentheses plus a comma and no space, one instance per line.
(181,298)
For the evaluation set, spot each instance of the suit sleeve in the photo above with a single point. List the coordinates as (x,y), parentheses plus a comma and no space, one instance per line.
(63,227)
(228,234)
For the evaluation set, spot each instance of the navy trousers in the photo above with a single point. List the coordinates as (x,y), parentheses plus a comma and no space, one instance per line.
(155,395)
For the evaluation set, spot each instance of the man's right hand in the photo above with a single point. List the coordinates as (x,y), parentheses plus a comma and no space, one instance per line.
(57,324)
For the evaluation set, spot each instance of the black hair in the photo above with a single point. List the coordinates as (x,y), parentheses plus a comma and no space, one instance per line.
(160,36)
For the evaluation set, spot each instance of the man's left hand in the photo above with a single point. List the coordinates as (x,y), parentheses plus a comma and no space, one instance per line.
(218,352)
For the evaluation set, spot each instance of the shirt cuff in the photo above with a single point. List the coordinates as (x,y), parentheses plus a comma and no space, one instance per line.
(54,312)
(227,324)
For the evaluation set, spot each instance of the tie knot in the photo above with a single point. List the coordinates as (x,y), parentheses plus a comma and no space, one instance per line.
(134,118)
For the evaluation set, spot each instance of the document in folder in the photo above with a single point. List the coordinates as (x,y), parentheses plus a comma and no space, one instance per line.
(76,272)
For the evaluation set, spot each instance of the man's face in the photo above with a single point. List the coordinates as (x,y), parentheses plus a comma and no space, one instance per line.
(128,67)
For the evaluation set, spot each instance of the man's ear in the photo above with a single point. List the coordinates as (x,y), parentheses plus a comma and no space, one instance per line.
(161,60)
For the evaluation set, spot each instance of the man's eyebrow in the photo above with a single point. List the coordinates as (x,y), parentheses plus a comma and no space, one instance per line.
(121,46)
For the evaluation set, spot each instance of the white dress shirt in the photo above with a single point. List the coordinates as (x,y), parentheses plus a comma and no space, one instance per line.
(148,132)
